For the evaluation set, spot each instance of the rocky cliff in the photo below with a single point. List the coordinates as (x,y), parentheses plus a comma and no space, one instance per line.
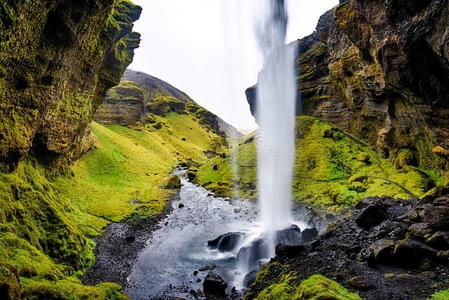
(57,59)
(380,70)
(140,97)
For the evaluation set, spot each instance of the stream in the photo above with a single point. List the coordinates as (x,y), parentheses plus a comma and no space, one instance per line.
(170,265)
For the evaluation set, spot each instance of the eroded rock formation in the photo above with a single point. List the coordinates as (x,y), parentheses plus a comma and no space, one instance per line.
(57,59)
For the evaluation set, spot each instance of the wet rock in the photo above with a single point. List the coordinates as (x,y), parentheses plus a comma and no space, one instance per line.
(195,273)
(371,216)
(439,240)
(289,236)
(309,234)
(207,268)
(226,242)
(214,285)
(382,251)
(288,251)
(181,205)
(250,278)
(437,217)
(191,176)
(361,284)
(252,254)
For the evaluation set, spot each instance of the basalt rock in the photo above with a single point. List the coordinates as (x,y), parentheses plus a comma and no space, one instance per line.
(57,60)
(214,285)
(380,261)
(380,70)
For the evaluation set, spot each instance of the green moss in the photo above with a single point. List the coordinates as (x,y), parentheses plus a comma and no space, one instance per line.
(333,170)
(319,287)
(441,295)
(70,289)
(126,91)
(314,288)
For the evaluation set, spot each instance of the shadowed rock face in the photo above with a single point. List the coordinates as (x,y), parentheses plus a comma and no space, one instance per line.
(381,71)
(57,59)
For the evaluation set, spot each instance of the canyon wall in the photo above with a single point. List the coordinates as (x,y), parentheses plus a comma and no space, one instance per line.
(57,60)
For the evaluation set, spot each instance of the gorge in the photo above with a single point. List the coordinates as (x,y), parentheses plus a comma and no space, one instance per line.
(117,185)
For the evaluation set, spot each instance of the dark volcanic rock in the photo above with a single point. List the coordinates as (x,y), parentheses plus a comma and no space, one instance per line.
(437,217)
(309,234)
(226,242)
(384,262)
(289,236)
(288,251)
(214,285)
(371,216)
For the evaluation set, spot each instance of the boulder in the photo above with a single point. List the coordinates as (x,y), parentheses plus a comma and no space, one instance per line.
(214,285)
(309,234)
(289,236)
(226,242)
(439,240)
(250,278)
(420,230)
(437,217)
(360,283)
(371,216)
(288,251)
(412,253)
(382,251)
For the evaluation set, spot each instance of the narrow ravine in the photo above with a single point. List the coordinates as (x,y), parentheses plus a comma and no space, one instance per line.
(176,258)
(166,267)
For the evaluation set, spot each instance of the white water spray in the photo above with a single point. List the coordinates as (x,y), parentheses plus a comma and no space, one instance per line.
(276,97)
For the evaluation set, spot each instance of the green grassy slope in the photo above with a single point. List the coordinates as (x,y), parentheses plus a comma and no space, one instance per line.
(44,223)
(333,170)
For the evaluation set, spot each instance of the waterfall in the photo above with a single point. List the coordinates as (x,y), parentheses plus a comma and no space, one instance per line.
(276,97)
(275,142)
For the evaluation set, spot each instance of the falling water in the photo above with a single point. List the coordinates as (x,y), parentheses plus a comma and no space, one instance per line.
(276,117)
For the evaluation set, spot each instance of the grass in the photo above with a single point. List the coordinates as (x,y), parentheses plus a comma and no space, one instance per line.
(129,167)
(44,223)
(333,170)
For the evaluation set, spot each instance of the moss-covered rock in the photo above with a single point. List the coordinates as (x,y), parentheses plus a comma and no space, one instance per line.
(314,288)
(57,59)
(9,283)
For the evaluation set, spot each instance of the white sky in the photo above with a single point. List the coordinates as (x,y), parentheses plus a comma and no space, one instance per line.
(207,48)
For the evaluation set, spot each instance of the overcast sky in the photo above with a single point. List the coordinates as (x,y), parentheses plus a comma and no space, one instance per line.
(207,49)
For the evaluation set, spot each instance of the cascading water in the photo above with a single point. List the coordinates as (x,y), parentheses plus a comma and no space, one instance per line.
(276,117)
(275,141)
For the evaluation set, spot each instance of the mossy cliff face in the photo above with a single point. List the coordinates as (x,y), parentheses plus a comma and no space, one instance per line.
(57,59)
(380,71)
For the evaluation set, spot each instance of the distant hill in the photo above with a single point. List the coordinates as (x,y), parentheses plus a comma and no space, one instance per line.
(140,94)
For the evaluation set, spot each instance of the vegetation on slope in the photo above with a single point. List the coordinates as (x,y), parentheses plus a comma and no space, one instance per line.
(333,170)
(287,286)
(44,222)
